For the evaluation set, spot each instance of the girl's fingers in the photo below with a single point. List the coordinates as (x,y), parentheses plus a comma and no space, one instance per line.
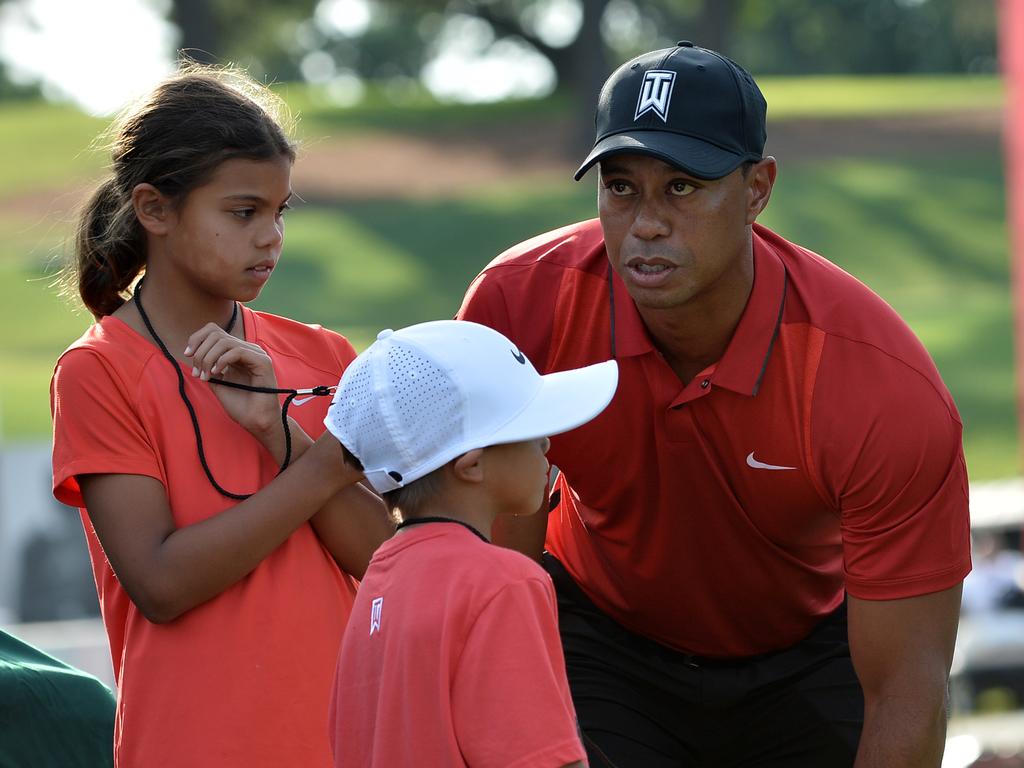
(212,349)
(201,345)
(240,357)
(197,338)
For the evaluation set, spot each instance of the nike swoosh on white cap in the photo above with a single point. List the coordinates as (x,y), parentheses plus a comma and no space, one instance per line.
(752,462)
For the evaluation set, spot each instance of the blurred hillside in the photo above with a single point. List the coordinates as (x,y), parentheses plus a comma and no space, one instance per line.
(399,208)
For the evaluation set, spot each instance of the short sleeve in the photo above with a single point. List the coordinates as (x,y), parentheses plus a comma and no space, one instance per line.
(95,427)
(342,348)
(892,459)
(510,698)
(484,303)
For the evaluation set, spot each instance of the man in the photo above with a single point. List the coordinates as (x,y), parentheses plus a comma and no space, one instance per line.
(758,547)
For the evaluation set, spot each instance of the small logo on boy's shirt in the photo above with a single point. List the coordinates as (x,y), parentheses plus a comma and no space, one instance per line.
(375,608)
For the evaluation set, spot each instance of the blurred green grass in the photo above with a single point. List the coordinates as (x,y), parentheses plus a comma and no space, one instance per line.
(849,96)
(45,145)
(925,232)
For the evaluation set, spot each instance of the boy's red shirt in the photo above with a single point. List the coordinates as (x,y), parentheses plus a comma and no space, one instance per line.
(452,659)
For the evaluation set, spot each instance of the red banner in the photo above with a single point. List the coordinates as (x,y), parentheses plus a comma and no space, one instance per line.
(1011,59)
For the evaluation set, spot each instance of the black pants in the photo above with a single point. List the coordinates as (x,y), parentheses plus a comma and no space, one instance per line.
(643,705)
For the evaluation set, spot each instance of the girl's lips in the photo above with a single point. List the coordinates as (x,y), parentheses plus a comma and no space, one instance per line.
(261,271)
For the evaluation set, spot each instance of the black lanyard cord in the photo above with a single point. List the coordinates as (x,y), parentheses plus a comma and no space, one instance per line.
(438,519)
(318,391)
(611,307)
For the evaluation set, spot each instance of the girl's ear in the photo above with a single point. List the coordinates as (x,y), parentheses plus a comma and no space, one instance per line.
(468,467)
(152,209)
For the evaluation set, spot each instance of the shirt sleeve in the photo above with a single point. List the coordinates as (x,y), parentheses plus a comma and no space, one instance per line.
(484,303)
(96,429)
(342,348)
(892,460)
(510,698)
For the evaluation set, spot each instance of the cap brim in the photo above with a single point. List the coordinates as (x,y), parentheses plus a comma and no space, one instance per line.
(698,158)
(566,400)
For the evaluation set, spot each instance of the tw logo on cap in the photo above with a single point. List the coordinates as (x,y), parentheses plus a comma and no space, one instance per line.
(655,94)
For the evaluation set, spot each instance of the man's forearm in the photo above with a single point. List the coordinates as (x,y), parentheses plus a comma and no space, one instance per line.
(903,732)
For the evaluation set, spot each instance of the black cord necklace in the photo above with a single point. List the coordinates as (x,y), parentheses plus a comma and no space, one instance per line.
(439,519)
(319,391)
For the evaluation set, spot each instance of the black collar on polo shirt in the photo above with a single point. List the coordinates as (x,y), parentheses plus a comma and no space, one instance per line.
(743,365)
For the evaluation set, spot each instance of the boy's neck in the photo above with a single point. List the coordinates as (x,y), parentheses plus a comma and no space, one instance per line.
(476,517)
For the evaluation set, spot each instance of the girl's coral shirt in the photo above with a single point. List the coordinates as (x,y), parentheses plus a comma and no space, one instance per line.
(245,678)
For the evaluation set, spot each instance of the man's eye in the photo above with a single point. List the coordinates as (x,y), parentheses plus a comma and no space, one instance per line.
(682,188)
(618,187)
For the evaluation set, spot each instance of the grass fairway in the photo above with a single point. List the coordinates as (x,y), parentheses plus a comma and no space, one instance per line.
(45,146)
(847,96)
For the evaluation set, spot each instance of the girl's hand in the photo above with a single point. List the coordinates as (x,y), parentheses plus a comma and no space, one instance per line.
(217,354)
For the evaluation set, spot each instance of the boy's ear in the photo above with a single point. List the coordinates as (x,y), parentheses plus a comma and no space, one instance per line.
(152,208)
(468,467)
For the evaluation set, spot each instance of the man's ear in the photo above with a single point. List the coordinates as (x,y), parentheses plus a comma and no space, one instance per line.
(760,180)
(152,209)
(469,466)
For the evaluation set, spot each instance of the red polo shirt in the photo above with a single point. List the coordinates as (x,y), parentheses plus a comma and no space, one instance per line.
(452,659)
(726,517)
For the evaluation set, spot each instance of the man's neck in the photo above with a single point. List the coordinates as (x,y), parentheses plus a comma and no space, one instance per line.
(691,341)
(694,335)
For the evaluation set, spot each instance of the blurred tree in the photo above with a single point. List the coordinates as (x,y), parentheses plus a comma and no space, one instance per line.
(257,34)
(866,36)
(400,37)
(786,36)
(388,39)
(10,90)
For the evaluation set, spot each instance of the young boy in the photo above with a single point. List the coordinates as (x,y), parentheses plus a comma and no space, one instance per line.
(452,655)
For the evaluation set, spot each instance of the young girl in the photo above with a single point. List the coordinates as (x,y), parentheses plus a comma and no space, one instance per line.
(224,608)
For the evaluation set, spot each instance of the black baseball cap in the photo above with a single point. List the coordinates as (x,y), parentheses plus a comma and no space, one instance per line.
(691,107)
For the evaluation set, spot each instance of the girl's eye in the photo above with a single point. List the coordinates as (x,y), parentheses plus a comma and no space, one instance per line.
(283,208)
(244,213)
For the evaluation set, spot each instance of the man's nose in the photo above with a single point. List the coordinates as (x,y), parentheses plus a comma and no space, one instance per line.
(650,221)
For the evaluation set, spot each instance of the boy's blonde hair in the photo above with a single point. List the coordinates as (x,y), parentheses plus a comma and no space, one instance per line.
(412,500)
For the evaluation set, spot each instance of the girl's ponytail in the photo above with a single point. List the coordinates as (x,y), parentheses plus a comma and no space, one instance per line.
(110,250)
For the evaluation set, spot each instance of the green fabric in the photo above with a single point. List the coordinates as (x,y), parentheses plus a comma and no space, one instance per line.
(51,714)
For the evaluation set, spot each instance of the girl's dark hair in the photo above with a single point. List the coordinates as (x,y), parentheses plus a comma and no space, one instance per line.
(174,139)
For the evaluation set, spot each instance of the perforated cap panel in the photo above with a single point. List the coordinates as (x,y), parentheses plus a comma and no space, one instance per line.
(421,396)
(396,412)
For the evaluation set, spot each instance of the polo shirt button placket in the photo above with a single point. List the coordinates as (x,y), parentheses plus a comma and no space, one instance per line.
(705,383)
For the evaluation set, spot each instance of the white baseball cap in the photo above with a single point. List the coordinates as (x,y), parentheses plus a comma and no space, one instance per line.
(423,395)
